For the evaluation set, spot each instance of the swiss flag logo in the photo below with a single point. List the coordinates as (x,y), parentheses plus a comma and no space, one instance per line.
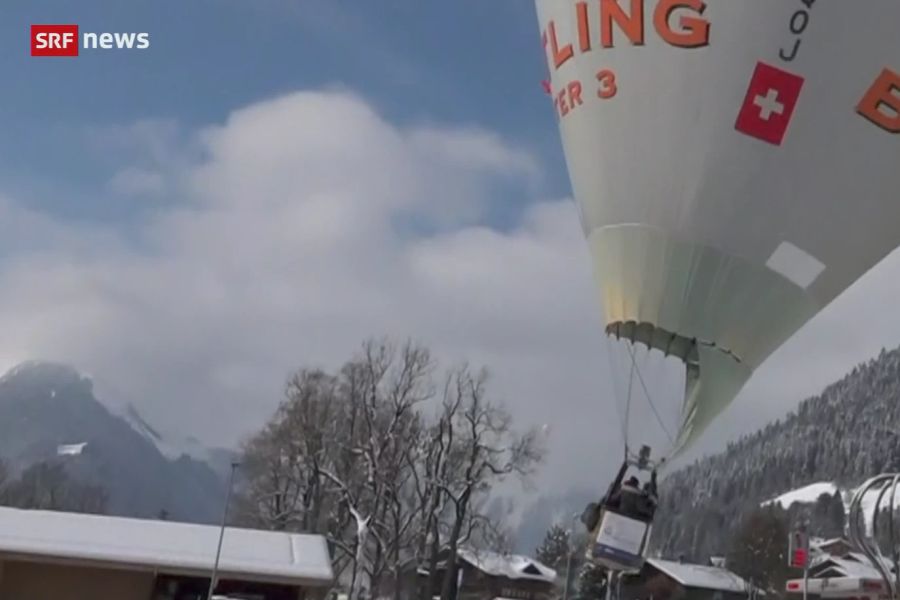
(769,104)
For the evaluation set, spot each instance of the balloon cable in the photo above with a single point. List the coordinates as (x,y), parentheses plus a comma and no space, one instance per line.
(628,404)
(617,395)
(647,393)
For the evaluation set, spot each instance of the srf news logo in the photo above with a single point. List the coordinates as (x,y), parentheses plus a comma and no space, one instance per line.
(63,40)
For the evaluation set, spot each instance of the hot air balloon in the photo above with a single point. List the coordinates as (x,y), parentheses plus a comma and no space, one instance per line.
(736,166)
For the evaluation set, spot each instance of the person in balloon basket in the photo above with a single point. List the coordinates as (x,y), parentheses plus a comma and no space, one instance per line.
(649,499)
(626,499)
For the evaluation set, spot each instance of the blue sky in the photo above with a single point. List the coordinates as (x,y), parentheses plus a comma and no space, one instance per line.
(465,62)
(272,182)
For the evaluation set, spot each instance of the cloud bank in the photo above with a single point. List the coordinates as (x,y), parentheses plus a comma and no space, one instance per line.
(303,224)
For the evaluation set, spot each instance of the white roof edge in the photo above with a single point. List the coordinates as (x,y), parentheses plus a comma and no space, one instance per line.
(670,569)
(302,559)
(499,564)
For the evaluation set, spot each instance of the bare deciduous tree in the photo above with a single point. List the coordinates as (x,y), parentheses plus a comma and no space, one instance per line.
(283,463)
(353,456)
(484,449)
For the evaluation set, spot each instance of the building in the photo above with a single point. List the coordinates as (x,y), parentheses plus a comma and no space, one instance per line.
(487,575)
(67,556)
(845,574)
(675,580)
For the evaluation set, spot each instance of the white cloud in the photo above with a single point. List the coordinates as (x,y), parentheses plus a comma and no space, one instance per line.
(284,245)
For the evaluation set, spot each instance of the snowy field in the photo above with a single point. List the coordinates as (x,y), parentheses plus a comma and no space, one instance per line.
(805,495)
(810,493)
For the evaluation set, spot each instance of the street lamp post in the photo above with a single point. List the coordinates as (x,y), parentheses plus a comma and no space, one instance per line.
(570,553)
(215,571)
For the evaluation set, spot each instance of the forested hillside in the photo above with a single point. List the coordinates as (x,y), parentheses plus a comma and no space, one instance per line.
(848,433)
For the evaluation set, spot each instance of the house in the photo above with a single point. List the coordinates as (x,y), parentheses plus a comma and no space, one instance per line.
(850,575)
(484,575)
(675,580)
(67,556)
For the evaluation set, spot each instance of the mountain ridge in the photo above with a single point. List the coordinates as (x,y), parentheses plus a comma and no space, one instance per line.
(45,405)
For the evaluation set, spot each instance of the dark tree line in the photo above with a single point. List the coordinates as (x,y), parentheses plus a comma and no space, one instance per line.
(47,486)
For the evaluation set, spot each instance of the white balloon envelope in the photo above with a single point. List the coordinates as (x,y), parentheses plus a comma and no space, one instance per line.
(736,164)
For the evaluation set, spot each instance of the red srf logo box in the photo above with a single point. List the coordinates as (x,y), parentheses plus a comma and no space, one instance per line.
(54,40)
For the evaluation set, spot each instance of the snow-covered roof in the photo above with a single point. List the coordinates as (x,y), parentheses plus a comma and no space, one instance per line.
(513,566)
(820,542)
(850,566)
(699,576)
(858,557)
(265,556)
(822,549)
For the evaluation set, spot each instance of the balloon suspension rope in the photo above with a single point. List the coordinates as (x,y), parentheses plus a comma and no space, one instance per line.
(649,399)
(623,419)
(628,407)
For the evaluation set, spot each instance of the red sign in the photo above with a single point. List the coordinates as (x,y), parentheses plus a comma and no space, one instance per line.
(769,103)
(799,558)
(54,40)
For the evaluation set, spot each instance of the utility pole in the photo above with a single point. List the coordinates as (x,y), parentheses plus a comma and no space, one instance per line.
(215,571)
(570,553)
(805,530)
(799,553)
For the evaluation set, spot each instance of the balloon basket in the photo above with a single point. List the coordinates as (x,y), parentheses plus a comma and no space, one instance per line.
(619,543)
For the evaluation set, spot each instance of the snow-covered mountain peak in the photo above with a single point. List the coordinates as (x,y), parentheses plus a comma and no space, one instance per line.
(175,447)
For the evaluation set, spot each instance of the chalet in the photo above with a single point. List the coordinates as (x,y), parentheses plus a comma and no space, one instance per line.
(484,575)
(676,580)
(68,556)
(849,575)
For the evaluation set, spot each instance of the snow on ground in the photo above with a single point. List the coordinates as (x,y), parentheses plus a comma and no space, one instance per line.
(805,495)
(70,449)
(810,493)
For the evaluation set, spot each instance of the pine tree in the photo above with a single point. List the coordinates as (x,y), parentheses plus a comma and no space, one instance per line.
(561,553)
(591,582)
(837,517)
(759,550)
(554,550)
